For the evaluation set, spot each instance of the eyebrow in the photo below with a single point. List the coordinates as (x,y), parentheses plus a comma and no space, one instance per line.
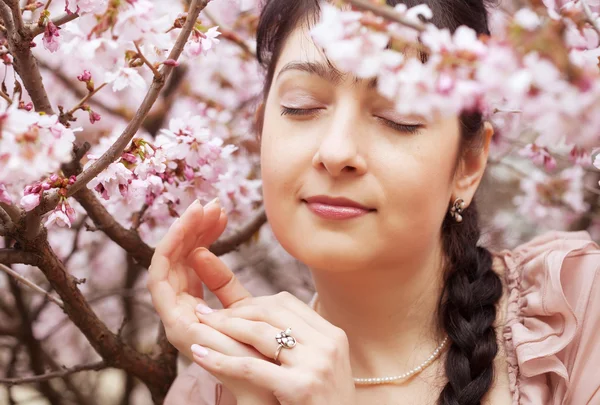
(324,71)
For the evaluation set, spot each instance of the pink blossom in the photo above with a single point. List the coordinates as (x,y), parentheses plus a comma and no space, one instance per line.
(125,77)
(85,76)
(51,36)
(539,155)
(30,201)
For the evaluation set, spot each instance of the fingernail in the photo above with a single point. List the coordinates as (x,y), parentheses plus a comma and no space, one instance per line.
(223,210)
(199,350)
(215,201)
(203,309)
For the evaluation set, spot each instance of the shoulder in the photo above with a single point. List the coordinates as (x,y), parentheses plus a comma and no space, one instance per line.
(551,315)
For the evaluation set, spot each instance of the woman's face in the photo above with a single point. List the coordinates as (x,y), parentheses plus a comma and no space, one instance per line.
(342,139)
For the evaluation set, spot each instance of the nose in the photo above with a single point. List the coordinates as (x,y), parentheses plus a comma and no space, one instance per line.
(339,150)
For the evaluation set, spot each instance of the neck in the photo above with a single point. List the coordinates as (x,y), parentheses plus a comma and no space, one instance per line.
(389,315)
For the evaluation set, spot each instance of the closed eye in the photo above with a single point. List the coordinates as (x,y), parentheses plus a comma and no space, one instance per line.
(405,128)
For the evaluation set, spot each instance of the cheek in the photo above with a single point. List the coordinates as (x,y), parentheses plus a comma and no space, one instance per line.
(417,191)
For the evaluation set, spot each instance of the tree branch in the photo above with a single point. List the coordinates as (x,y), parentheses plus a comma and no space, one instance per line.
(35,29)
(119,146)
(19,45)
(121,143)
(13,212)
(223,246)
(107,344)
(55,374)
(13,256)
(127,239)
(15,9)
(30,284)
(231,35)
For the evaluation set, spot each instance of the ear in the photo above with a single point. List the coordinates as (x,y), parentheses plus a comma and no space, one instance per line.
(471,168)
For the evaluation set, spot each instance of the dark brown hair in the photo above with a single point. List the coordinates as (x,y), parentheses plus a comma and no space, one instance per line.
(467,305)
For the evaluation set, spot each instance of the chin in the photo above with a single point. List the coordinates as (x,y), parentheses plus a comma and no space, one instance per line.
(334,256)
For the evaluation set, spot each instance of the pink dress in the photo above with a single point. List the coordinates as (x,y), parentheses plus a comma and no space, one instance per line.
(551,331)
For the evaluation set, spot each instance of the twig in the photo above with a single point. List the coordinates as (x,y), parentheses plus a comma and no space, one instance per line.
(73,86)
(31,285)
(35,30)
(229,34)
(85,99)
(55,374)
(589,16)
(140,54)
(13,256)
(223,246)
(386,12)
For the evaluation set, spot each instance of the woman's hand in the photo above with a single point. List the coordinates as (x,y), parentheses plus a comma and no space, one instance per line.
(176,288)
(315,371)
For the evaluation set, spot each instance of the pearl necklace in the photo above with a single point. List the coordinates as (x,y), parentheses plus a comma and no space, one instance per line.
(386,380)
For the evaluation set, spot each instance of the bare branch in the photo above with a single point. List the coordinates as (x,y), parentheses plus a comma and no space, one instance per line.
(15,9)
(386,12)
(107,344)
(13,256)
(35,29)
(55,374)
(127,239)
(221,247)
(6,223)
(30,284)
(13,212)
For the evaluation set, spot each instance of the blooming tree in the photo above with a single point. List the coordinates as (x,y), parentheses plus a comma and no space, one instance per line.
(117,114)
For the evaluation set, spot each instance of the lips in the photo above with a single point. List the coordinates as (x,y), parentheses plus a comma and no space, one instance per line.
(336,202)
(336,208)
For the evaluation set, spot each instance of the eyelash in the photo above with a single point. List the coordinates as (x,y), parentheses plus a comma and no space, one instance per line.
(412,129)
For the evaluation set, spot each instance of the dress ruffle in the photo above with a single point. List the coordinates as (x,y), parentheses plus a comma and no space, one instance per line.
(545,281)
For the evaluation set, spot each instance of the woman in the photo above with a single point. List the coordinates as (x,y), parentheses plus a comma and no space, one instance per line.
(381,208)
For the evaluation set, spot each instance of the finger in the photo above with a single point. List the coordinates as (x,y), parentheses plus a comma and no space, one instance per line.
(295,305)
(160,263)
(209,337)
(195,286)
(212,234)
(279,318)
(218,278)
(258,334)
(198,220)
(261,373)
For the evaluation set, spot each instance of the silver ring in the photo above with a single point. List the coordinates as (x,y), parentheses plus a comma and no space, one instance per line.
(285,339)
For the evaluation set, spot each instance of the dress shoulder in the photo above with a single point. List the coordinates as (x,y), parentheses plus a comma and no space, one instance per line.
(552,319)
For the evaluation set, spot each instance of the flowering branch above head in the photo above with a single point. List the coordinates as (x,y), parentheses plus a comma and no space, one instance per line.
(531,65)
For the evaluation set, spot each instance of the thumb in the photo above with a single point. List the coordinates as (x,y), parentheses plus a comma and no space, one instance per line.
(217,277)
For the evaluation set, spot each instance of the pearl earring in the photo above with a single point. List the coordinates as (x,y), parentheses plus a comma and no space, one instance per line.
(457,209)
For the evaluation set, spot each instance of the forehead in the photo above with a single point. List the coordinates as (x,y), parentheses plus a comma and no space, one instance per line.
(300,54)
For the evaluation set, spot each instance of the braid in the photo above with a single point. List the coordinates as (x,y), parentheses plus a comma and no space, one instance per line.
(468,310)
